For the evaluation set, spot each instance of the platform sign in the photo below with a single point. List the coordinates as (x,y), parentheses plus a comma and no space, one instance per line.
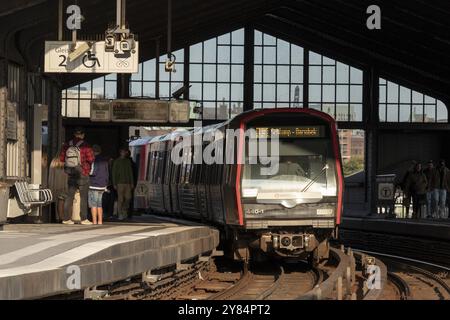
(100,110)
(147,111)
(179,112)
(385,191)
(94,60)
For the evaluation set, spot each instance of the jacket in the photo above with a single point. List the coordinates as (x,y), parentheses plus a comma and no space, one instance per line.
(122,172)
(417,183)
(99,177)
(440,173)
(86,155)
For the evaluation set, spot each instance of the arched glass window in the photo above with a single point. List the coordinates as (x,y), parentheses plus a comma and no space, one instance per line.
(278,72)
(335,88)
(76,101)
(401,104)
(143,84)
(216,73)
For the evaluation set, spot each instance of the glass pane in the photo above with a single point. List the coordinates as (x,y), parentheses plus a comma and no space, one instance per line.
(237,37)
(164,90)
(269,73)
(429,99)
(137,76)
(329,108)
(269,55)
(258,74)
(195,72)
(98,88)
(179,74)
(315,74)
(356,93)
(382,94)
(224,73)
(329,93)
(283,53)
(269,40)
(342,112)
(258,38)
(163,75)
(258,55)
(405,113)
(210,51)
(149,90)
(224,39)
(382,112)
(196,53)
(430,113)
(237,92)
(283,93)
(392,93)
(296,54)
(328,62)
(223,92)
(356,76)
(417,115)
(342,73)
(112,77)
(297,74)
(111,90)
(209,72)
(223,110)
(417,97)
(442,113)
(237,108)
(136,89)
(328,75)
(224,54)
(258,92)
(405,95)
(315,58)
(283,74)
(392,113)
(150,70)
(342,93)
(209,110)
(269,92)
(237,73)
(237,54)
(195,92)
(315,93)
(209,91)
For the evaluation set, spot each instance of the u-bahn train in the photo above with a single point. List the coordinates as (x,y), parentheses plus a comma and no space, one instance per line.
(289,206)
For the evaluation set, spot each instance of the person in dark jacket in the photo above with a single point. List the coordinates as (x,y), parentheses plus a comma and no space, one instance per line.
(99,180)
(417,184)
(123,181)
(404,187)
(429,172)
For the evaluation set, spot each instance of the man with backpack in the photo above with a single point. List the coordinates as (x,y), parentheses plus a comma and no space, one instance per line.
(78,158)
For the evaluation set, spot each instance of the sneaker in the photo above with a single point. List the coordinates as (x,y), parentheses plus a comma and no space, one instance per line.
(86,223)
(68,222)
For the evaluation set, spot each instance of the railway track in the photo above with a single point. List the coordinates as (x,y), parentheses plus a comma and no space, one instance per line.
(414,279)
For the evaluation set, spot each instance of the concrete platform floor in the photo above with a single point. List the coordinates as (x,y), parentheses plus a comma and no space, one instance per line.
(38,260)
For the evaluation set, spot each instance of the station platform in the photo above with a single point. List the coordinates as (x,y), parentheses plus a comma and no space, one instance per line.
(35,259)
(422,228)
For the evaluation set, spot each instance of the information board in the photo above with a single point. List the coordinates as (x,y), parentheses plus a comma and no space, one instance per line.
(101,110)
(94,60)
(179,112)
(11,120)
(148,111)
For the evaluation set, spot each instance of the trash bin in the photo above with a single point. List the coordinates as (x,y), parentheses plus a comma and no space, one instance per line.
(4,198)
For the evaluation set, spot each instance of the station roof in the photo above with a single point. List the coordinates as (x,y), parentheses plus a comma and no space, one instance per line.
(411,48)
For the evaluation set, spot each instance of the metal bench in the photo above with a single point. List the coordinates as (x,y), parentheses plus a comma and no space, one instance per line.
(30,196)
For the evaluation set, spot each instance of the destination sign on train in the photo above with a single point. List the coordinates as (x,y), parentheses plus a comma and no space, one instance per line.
(292,132)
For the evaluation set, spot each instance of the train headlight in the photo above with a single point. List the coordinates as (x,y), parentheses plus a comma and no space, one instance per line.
(276,241)
(249,193)
(286,241)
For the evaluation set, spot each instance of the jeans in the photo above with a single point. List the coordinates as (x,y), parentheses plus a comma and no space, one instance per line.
(440,199)
(431,204)
(77,183)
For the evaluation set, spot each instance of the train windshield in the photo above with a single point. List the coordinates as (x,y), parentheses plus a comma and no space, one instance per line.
(306,173)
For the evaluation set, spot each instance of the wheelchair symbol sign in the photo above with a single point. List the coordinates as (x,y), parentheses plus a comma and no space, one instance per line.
(90,60)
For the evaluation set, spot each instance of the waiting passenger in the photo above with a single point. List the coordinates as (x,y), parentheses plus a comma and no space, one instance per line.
(406,191)
(417,184)
(429,172)
(441,187)
(122,176)
(78,157)
(99,180)
(57,182)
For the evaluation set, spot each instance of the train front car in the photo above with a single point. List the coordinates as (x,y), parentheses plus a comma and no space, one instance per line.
(290,201)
